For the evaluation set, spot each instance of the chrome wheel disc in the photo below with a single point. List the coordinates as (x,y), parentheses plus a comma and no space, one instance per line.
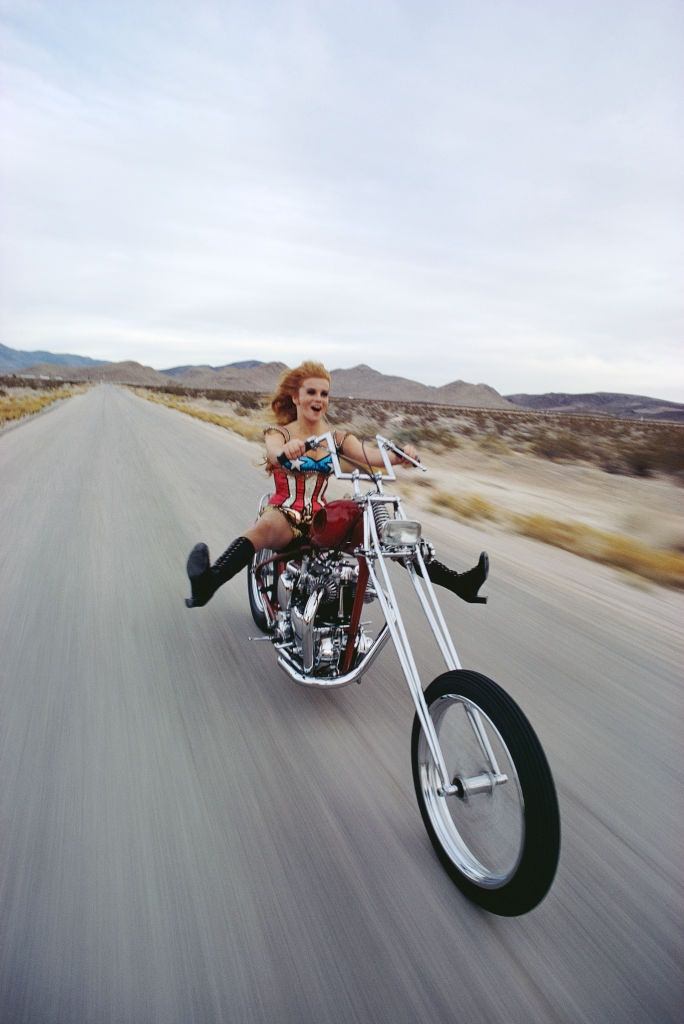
(482,834)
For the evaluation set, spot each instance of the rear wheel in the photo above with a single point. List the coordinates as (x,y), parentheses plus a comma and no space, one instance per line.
(499,841)
(261,583)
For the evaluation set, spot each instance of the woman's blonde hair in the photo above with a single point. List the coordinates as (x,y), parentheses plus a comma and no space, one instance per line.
(284,409)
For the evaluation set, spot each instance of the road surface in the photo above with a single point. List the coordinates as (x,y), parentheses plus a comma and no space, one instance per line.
(187,836)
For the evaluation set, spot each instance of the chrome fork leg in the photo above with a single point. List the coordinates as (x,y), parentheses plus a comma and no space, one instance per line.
(397,629)
(433,613)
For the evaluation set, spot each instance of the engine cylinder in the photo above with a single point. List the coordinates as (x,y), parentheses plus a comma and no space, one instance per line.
(303,625)
(286,582)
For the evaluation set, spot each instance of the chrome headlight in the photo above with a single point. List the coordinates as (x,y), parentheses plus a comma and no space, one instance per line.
(400,532)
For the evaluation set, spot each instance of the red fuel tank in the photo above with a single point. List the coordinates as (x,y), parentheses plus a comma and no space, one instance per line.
(337,524)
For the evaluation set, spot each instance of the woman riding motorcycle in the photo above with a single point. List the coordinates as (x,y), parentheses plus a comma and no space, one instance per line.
(299,404)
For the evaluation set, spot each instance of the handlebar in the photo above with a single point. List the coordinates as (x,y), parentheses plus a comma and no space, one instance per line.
(399,451)
(384,445)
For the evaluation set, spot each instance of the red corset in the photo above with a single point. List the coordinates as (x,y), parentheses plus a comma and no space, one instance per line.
(300,492)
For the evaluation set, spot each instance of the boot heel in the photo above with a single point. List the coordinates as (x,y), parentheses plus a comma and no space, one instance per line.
(205,579)
(464,584)
(199,576)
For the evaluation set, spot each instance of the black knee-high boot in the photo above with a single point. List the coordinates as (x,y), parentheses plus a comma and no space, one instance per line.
(205,579)
(464,584)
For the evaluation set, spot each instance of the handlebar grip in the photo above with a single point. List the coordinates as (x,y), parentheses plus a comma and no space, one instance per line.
(309,445)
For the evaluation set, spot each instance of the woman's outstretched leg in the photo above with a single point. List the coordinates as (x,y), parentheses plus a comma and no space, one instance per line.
(270,531)
(464,584)
(205,579)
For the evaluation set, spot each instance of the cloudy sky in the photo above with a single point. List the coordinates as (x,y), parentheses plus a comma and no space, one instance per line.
(487,190)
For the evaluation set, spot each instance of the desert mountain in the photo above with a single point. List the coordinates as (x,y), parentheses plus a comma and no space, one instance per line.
(360,381)
(364,382)
(13,360)
(245,364)
(116,373)
(357,382)
(606,403)
(250,376)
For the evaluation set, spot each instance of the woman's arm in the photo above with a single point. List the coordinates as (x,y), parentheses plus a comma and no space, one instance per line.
(279,442)
(368,452)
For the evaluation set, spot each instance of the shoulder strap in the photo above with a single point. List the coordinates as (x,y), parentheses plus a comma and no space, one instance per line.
(283,431)
(339,443)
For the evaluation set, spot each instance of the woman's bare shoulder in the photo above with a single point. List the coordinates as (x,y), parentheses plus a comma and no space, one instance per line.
(274,428)
(341,435)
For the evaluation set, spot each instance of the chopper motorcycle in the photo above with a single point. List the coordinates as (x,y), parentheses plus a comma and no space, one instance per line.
(482,781)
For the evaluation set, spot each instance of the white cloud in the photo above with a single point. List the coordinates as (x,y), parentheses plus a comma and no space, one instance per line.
(385,184)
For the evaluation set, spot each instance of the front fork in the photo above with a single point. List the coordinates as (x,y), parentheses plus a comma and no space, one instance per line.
(373,553)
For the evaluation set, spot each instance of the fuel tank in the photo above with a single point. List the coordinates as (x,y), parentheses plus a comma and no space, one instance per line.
(338,524)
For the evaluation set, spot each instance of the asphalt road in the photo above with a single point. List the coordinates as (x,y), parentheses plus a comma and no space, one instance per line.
(187,836)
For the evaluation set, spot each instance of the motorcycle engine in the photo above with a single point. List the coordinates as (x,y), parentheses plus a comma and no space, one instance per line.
(315,599)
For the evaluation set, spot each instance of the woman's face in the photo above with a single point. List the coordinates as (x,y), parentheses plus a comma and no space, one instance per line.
(312,398)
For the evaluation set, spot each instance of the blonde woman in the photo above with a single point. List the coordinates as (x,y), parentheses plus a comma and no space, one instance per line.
(300,404)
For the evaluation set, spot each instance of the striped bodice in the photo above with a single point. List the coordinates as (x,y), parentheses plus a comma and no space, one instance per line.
(300,492)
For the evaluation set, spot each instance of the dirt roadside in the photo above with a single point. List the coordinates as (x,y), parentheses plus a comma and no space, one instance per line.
(634,523)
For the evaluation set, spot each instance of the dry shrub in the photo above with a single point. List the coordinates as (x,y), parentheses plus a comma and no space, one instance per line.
(561,444)
(493,445)
(631,447)
(249,401)
(342,409)
(12,381)
(365,430)
(661,453)
(251,431)
(467,506)
(15,407)
(666,567)
(426,436)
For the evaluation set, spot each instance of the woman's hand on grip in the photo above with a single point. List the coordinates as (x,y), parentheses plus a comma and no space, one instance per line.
(294,449)
(407,449)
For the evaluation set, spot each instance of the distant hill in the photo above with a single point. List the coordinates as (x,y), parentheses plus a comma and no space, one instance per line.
(605,403)
(244,375)
(357,382)
(364,382)
(13,360)
(115,373)
(360,381)
(245,364)
(250,376)
(178,371)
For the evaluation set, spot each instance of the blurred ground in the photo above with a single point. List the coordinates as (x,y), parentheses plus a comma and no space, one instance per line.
(188,837)
(489,455)
(651,510)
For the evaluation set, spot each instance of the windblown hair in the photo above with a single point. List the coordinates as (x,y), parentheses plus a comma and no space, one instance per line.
(284,409)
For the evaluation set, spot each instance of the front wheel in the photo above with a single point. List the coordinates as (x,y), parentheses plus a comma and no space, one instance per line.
(498,837)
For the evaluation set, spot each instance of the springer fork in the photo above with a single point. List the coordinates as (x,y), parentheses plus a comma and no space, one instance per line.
(376,556)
